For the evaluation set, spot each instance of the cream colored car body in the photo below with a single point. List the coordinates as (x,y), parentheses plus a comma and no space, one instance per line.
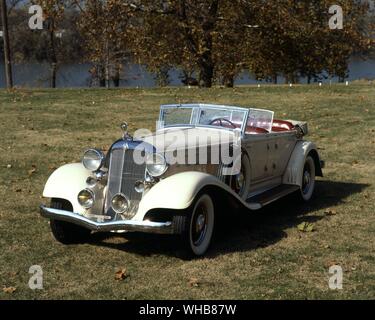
(276,158)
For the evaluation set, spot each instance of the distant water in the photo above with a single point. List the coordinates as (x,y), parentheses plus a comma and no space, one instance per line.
(133,75)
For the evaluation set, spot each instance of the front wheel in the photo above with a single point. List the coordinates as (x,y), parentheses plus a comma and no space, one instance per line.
(199,226)
(308,179)
(65,232)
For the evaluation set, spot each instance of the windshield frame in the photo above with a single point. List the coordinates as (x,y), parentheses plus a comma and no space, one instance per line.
(195,115)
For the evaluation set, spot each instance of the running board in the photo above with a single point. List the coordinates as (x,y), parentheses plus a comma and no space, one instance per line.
(260,200)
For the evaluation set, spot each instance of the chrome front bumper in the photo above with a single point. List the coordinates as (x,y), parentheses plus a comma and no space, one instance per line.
(124,225)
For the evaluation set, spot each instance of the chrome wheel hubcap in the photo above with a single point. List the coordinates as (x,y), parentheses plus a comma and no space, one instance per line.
(240,179)
(200,225)
(306,181)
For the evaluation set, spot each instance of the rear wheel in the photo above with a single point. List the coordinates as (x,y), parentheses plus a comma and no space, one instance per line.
(240,182)
(65,232)
(308,179)
(199,226)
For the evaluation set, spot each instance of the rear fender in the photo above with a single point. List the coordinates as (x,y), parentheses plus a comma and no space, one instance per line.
(293,172)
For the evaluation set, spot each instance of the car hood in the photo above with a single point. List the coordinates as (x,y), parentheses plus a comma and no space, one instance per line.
(177,138)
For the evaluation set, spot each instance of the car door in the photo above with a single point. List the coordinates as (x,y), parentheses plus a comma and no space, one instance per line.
(281,145)
(257,148)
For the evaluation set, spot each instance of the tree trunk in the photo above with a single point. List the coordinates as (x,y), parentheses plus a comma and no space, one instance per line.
(274,79)
(7,56)
(53,75)
(101,75)
(52,54)
(107,65)
(206,72)
(228,81)
(206,62)
(205,77)
(116,76)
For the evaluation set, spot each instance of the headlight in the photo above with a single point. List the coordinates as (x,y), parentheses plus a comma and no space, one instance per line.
(93,159)
(120,203)
(156,164)
(86,198)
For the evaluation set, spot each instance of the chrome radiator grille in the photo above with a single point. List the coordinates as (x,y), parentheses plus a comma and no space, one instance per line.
(123,173)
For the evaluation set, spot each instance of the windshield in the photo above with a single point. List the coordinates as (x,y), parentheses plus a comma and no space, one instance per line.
(203,115)
(260,119)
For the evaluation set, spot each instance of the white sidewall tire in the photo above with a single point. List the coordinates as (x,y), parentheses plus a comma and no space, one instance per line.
(307,196)
(201,249)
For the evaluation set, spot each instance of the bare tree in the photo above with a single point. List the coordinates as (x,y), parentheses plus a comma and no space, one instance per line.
(7,55)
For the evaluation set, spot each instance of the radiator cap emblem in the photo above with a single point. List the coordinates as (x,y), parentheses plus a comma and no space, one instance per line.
(124,128)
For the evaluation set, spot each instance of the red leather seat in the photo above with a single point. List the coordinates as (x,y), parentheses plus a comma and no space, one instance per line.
(255,130)
(281,125)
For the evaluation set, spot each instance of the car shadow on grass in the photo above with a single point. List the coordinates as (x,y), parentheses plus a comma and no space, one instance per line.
(241,230)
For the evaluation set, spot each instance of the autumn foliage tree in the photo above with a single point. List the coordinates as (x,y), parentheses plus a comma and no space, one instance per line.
(294,39)
(107,28)
(185,34)
(213,40)
(220,38)
(53,14)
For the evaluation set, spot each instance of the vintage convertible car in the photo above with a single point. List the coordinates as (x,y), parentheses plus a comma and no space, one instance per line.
(175,181)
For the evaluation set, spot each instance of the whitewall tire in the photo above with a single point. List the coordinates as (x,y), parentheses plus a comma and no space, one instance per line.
(308,179)
(199,226)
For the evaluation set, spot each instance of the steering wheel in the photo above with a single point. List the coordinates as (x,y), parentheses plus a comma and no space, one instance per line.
(220,120)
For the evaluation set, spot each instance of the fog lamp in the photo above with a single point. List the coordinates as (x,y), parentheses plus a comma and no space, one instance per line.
(139,186)
(86,198)
(120,203)
(91,182)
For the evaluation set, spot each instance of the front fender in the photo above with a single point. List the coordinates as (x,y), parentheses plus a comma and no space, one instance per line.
(175,192)
(66,182)
(293,172)
(178,192)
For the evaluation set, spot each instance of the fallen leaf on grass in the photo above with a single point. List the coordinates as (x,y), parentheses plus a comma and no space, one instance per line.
(331,263)
(31,171)
(121,274)
(9,289)
(194,282)
(306,227)
(330,212)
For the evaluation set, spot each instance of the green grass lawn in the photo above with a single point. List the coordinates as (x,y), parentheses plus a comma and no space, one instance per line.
(260,255)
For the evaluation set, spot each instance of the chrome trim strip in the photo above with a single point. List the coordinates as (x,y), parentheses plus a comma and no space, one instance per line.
(127,225)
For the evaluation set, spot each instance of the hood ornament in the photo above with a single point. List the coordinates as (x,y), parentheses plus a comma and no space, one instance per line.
(124,128)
